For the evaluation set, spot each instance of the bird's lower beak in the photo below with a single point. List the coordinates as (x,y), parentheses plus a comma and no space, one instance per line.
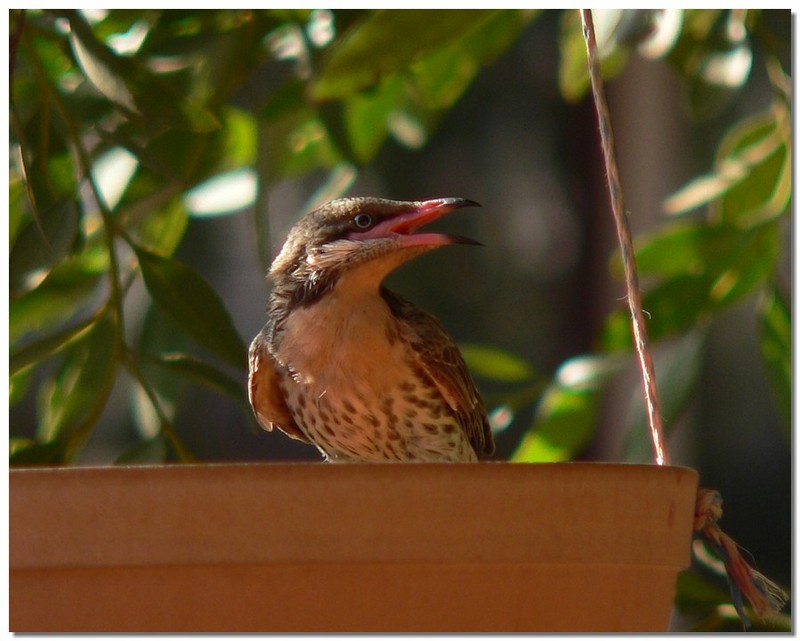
(403,225)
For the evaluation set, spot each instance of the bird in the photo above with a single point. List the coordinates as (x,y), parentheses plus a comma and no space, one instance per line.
(349,366)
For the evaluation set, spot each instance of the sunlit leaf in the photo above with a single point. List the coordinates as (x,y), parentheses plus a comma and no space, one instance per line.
(71,401)
(764,193)
(693,249)
(162,229)
(565,418)
(496,364)
(103,69)
(776,350)
(689,300)
(67,289)
(241,136)
(687,250)
(442,75)
(192,304)
(563,425)
(751,179)
(361,57)
(367,116)
(297,140)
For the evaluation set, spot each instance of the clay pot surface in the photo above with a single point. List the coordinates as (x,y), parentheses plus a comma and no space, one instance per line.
(484,547)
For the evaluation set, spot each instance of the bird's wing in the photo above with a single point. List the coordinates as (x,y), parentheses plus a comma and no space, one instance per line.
(265,393)
(441,361)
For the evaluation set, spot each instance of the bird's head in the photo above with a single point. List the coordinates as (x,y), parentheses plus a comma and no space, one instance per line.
(358,239)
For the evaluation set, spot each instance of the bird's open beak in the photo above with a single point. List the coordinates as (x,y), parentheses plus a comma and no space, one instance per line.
(405,223)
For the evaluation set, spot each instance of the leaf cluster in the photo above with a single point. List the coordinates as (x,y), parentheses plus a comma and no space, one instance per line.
(128,124)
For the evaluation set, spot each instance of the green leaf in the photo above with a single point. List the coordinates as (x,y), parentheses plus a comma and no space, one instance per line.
(678,365)
(441,76)
(565,418)
(71,401)
(685,301)
(151,451)
(159,334)
(46,347)
(764,144)
(573,68)
(207,375)
(285,101)
(361,56)
(684,250)
(496,364)
(33,453)
(751,180)
(66,289)
(241,135)
(162,229)
(408,102)
(696,593)
(367,116)
(563,425)
(180,155)
(776,350)
(42,242)
(146,97)
(193,305)
(691,249)
(16,206)
(101,67)
(18,386)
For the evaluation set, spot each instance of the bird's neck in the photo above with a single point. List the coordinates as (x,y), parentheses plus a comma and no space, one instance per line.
(342,334)
(334,296)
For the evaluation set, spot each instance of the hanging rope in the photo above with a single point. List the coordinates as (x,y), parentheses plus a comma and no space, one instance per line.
(634,294)
(745,582)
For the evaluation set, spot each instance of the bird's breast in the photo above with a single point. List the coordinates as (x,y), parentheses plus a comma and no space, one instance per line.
(351,382)
(335,341)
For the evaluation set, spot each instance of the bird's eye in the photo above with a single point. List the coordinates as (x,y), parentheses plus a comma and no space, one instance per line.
(363,221)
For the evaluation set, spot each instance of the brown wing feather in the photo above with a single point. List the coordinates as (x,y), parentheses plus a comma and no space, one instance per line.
(265,393)
(441,360)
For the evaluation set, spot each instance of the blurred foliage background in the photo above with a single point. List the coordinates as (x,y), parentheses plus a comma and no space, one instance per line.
(158,157)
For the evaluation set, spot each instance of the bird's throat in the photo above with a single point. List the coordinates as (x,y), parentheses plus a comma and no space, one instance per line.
(343,333)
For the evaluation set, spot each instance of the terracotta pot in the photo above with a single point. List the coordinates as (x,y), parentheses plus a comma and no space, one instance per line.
(313,547)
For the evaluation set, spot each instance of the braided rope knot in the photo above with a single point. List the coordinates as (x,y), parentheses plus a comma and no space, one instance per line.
(764,595)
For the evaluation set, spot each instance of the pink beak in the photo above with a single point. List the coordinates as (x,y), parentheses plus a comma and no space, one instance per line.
(404,224)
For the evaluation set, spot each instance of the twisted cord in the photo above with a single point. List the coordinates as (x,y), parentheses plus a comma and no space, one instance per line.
(634,295)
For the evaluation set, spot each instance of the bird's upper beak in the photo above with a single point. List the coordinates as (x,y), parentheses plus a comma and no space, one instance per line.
(403,225)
